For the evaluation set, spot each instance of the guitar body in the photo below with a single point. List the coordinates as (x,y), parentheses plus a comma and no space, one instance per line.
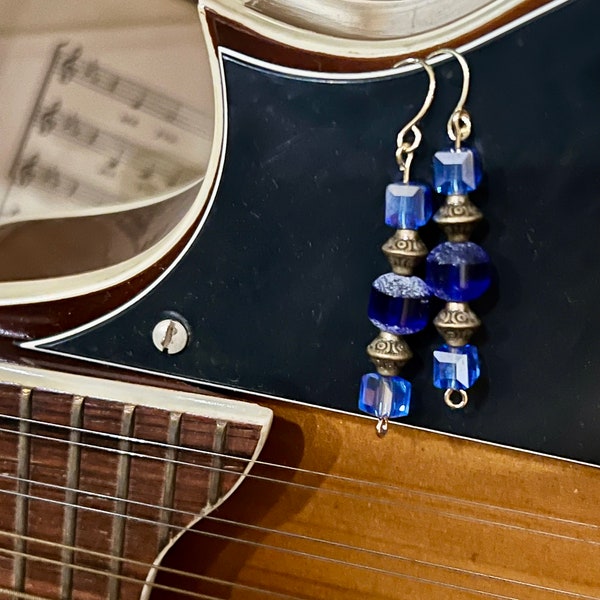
(323,508)
(417,515)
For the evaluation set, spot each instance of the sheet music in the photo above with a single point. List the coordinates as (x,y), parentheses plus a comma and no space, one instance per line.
(107,128)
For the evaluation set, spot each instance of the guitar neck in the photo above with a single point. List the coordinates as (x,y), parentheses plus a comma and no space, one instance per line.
(97,482)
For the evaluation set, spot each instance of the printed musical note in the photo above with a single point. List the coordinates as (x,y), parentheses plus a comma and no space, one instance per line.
(110,166)
(138,102)
(27,170)
(91,72)
(50,178)
(68,67)
(47,120)
(71,125)
(147,171)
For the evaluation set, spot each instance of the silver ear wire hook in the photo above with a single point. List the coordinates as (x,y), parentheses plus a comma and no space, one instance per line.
(459,123)
(405,149)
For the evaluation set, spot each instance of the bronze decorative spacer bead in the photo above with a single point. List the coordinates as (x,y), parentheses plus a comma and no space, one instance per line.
(388,352)
(405,250)
(456,323)
(457,217)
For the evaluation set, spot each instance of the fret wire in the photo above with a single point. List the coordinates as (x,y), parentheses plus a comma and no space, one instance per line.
(358,496)
(159,568)
(70,512)
(169,479)
(123,472)
(318,557)
(21,501)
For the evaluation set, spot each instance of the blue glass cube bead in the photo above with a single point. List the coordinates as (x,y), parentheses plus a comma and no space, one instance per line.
(399,304)
(455,368)
(458,271)
(456,171)
(407,205)
(383,396)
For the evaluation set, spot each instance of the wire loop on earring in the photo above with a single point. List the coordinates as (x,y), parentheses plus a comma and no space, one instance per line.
(406,148)
(456,404)
(459,123)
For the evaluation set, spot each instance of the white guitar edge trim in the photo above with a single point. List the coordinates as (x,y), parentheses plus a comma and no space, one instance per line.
(327,44)
(212,407)
(57,288)
(35,291)
(98,211)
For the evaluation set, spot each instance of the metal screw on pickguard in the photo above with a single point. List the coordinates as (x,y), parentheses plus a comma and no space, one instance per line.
(170,336)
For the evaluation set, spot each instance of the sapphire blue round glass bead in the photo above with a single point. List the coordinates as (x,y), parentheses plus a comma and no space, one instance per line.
(399,304)
(458,271)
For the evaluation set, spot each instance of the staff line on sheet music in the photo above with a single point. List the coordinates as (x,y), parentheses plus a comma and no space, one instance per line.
(137,96)
(70,127)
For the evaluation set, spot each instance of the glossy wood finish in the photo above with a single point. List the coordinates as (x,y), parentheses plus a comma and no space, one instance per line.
(454,519)
(235,36)
(93,490)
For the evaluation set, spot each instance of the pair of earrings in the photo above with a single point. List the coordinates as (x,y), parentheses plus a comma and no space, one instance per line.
(457,271)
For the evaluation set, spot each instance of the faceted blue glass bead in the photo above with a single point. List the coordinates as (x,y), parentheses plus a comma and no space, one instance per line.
(383,396)
(456,171)
(407,205)
(458,271)
(455,368)
(399,304)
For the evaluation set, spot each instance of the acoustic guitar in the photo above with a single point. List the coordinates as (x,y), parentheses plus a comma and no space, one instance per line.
(236,465)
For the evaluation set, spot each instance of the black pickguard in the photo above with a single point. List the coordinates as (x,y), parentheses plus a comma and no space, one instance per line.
(275,287)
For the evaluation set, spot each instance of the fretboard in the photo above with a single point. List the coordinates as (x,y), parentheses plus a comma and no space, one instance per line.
(98,477)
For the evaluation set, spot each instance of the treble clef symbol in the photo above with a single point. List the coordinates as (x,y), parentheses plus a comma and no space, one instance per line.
(48,118)
(28,170)
(68,67)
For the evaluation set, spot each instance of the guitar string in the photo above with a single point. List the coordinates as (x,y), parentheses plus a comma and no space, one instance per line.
(21,595)
(390,487)
(350,495)
(376,570)
(54,439)
(322,558)
(209,517)
(144,565)
(27,596)
(331,543)
(120,577)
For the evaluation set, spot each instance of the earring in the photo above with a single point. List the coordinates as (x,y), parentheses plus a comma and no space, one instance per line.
(458,270)
(399,301)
